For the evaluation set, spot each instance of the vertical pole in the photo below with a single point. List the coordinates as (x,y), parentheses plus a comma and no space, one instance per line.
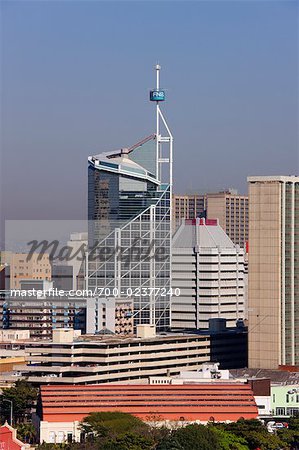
(117,260)
(152,266)
(158,67)
(86,272)
(11,409)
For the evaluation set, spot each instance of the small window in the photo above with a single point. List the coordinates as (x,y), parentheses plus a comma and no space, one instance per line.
(60,436)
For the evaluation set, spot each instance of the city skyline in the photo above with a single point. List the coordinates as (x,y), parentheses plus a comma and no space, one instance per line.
(238,113)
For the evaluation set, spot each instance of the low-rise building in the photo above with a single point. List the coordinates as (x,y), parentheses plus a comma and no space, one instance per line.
(284,389)
(101,359)
(9,440)
(12,352)
(62,408)
(285,400)
(211,374)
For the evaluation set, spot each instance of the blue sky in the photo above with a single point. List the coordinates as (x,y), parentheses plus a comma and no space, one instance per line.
(75,78)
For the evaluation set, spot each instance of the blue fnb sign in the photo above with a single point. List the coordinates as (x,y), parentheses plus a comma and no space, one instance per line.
(157,96)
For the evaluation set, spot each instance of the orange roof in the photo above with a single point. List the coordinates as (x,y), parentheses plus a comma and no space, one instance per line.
(169,402)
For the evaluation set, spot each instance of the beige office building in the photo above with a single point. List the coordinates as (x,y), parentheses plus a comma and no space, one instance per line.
(22,267)
(273,291)
(228,206)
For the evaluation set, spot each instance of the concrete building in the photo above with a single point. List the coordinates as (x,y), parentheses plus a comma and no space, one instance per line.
(228,206)
(109,315)
(22,267)
(208,269)
(41,313)
(273,287)
(285,400)
(12,350)
(101,359)
(61,408)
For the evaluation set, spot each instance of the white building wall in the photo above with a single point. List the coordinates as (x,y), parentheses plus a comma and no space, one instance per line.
(58,432)
(211,283)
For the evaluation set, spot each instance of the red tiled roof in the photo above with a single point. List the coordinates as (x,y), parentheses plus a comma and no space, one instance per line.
(171,402)
(8,439)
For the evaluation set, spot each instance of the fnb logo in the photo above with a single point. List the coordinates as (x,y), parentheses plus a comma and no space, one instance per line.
(157,96)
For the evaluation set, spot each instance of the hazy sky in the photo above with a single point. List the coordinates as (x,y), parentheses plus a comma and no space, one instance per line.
(75,79)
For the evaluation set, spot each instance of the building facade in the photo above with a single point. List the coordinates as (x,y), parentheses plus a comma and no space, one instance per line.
(22,267)
(62,408)
(273,286)
(208,270)
(285,400)
(109,315)
(130,231)
(40,314)
(111,359)
(228,206)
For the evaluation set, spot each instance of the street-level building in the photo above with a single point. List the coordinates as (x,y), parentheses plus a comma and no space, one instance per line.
(61,408)
(285,400)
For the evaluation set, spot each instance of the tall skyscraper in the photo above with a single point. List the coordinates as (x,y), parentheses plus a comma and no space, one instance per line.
(209,271)
(273,291)
(228,206)
(129,212)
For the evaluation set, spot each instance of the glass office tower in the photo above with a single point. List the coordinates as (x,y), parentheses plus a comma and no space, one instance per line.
(130,232)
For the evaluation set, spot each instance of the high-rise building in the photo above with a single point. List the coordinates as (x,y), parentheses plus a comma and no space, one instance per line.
(208,270)
(273,288)
(129,206)
(228,206)
(129,213)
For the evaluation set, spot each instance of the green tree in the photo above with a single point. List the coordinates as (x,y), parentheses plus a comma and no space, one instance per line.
(111,425)
(129,441)
(26,432)
(169,443)
(255,434)
(191,437)
(23,396)
(294,423)
(229,441)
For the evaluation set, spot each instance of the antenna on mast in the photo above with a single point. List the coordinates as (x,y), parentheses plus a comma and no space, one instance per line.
(158,95)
